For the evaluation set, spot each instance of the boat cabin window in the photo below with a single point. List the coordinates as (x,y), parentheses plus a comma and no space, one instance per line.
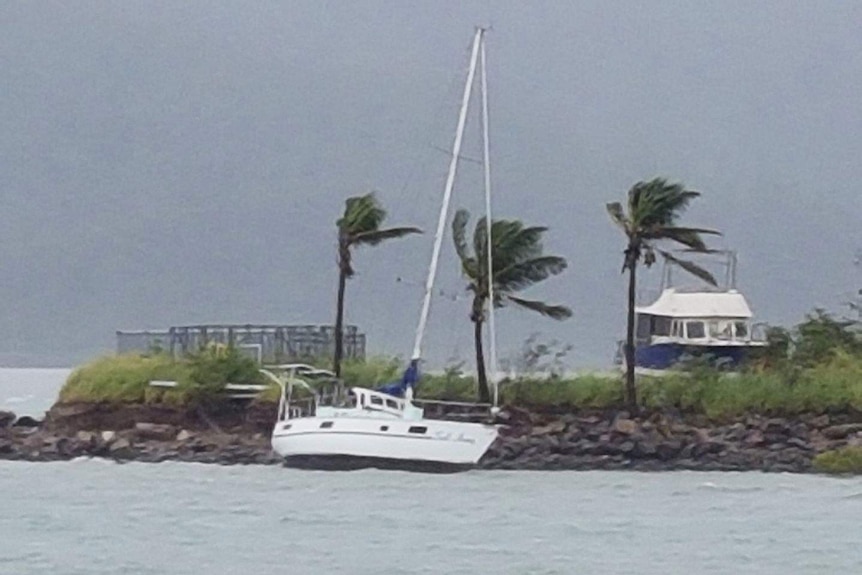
(326,425)
(384,428)
(695,330)
(675,330)
(661,325)
(643,326)
(648,325)
(741,330)
(721,329)
(375,400)
(417,429)
(392,403)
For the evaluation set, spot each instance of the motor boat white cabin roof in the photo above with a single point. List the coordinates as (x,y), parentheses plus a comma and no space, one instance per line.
(674,302)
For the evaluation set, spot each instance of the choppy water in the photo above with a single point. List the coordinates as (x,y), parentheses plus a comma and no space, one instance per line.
(96,517)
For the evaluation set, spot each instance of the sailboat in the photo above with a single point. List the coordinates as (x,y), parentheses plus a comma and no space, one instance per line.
(386,427)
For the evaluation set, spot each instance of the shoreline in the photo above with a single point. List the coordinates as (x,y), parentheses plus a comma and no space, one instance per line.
(529,440)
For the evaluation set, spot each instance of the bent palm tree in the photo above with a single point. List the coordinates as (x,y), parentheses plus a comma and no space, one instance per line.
(518,263)
(359,225)
(653,210)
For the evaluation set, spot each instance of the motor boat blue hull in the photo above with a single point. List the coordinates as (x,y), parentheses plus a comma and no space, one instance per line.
(667,355)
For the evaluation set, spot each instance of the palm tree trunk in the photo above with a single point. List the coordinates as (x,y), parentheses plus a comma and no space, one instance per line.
(481,376)
(631,390)
(339,313)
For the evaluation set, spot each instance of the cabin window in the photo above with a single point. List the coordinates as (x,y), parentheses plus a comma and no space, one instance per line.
(417,429)
(384,428)
(674,330)
(741,330)
(721,329)
(392,403)
(326,425)
(375,400)
(661,325)
(694,330)
(286,426)
(643,326)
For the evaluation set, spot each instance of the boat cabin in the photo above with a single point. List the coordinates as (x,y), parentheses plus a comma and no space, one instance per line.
(687,323)
(695,331)
(363,402)
(695,318)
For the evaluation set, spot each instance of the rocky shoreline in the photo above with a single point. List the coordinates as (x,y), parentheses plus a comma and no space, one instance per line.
(529,440)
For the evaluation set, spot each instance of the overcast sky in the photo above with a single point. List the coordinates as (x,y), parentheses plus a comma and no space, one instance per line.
(168,163)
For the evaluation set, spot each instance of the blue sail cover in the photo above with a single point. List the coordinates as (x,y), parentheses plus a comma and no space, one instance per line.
(409,379)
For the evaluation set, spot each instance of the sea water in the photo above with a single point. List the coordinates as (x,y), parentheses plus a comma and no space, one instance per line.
(99,517)
(30,391)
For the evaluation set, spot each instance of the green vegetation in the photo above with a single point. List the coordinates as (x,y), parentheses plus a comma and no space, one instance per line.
(814,368)
(358,226)
(518,263)
(120,379)
(125,378)
(653,210)
(786,378)
(844,461)
(835,385)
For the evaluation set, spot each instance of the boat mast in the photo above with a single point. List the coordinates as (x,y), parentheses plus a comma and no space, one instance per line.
(447,195)
(486,161)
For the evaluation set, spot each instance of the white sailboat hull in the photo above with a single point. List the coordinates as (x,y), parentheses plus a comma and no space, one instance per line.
(383,428)
(381,442)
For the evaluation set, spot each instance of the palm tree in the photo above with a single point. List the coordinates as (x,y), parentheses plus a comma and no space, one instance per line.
(653,210)
(518,263)
(358,226)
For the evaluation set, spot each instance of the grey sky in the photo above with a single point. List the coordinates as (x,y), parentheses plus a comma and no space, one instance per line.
(169,163)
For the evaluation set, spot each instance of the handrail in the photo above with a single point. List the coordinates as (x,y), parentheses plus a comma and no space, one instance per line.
(453,403)
(303,368)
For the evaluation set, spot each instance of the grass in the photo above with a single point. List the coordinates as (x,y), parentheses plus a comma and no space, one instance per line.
(832,386)
(587,391)
(835,385)
(844,461)
(125,378)
(377,371)
(373,372)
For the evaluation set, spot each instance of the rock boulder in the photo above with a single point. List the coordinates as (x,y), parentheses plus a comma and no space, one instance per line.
(841,431)
(625,426)
(26,421)
(121,449)
(156,431)
(7,418)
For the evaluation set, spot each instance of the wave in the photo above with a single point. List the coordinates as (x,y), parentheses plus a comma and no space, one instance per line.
(710,486)
(15,399)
